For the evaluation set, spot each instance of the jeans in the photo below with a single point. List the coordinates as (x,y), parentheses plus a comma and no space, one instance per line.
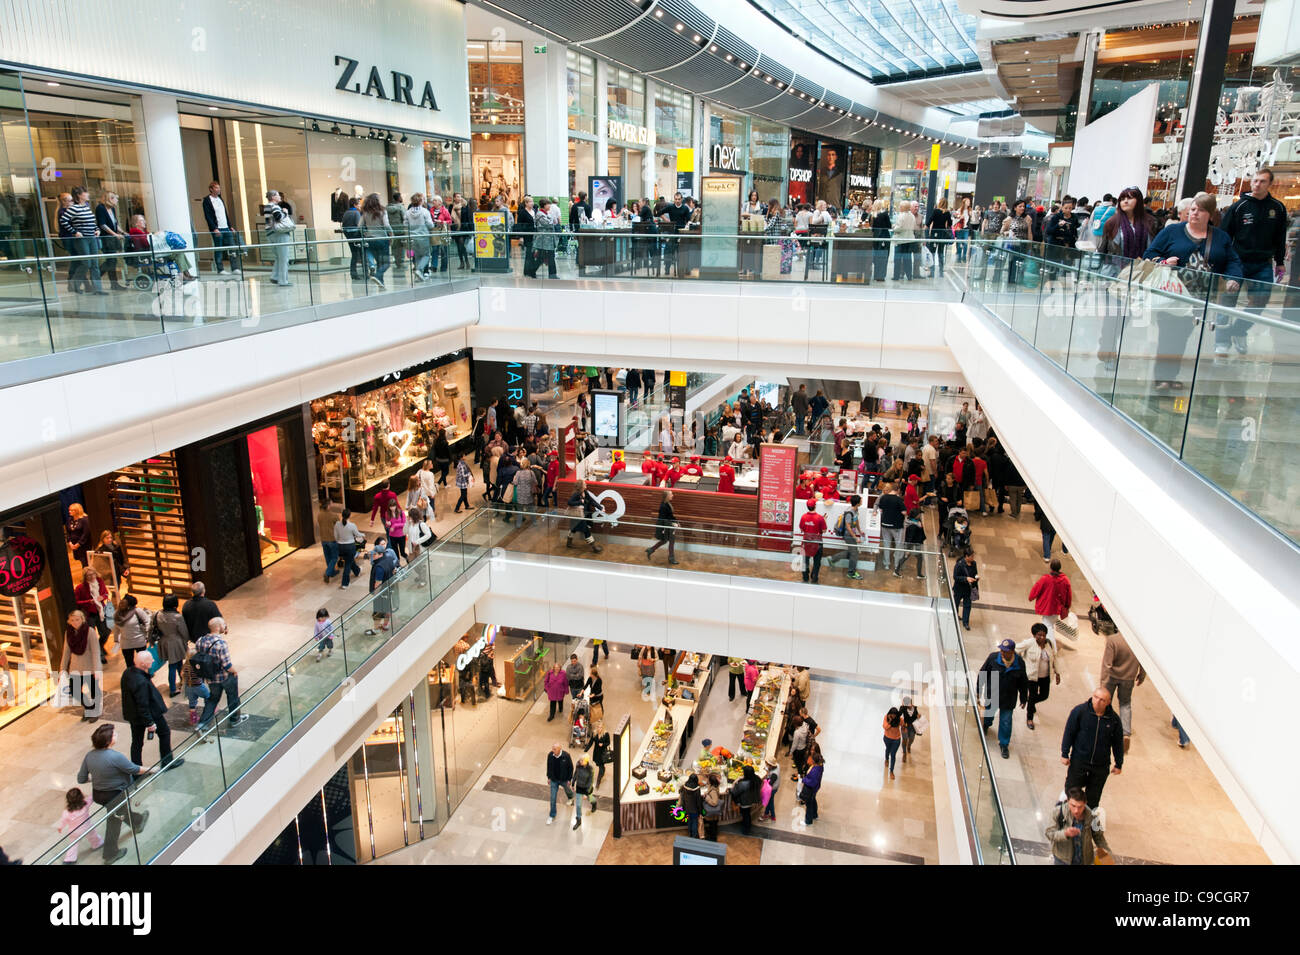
(377,257)
(891,751)
(196,693)
(1122,691)
(231,688)
(556,786)
(1048,537)
(84,687)
(164,734)
(902,263)
(331,551)
(348,554)
(963,605)
(891,552)
(356,268)
(1256,298)
(920,558)
(1004,725)
(221,240)
(693,825)
(86,245)
(939,249)
(1183,738)
(812,563)
(173,671)
(462,500)
(1038,691)
(961,235)
(809,806)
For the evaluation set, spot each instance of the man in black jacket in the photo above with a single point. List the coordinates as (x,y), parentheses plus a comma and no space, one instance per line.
(1005,668)
(583,498)
(350,226)
(1092,734)
(578,210)
(1257,223)
(218,217)
(198,610)
(559,770)
(143,708)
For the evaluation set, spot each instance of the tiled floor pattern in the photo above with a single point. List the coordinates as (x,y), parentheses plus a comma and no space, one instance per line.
(1166,807)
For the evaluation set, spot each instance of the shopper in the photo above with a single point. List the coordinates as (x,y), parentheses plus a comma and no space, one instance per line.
(584,784)
(799,740)
(350,226)
(913,541)
(711,803)
(112,234)
(1039,654)
(1052,596)
(419,226)
(893,727)
(556,685)
(224,237)
(584,499)
(111,775)
(78,531)
(645,665)
(394,519)
(892,518)
(559,770)
(73,821)
(905,227)
(911,715)
(92,600)
(1257,224)
(849,530)
(143,708)
(1003,674)
(279,235)
(735,677)
(692,804)
(171,638)
(810,786)
(771,783)
(219,674)
(751,680)
(602,749)
(939,227)
(666,529)
(965,584)
(376,229)
(1093,733)
(131,627)
(747,793)
(545,240)
(811,527)
(802,684)
(1120,672)
(464,480)
(1075,832)
(82,664)
(575,675)
(348,537)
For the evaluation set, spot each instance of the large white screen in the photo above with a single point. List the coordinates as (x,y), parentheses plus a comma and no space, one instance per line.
(1115,151)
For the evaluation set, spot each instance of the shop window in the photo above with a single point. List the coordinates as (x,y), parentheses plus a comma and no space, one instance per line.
(626,97)
(496,83)
(674,117)
(149,519)
(581,83)
(20,213)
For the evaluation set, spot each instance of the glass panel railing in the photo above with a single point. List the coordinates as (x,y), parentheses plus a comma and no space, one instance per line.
(1202,362)
(991,843)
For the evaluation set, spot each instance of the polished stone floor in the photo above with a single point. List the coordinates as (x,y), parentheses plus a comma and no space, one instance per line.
(864,817)
(1166,807)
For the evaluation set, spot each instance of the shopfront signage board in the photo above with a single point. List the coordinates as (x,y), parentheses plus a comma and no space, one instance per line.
(720,217)
(628,133)
(400,88)
(473,653)
(725,158)
(778,464)
(491,244)
(22,561)
(859,182)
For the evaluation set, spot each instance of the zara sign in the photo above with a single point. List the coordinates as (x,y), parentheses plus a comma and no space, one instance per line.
(399,91)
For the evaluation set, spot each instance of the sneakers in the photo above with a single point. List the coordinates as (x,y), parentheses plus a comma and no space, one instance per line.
(1221,350)
(1006,753)
(1239,343)
(854,576)
(550,820)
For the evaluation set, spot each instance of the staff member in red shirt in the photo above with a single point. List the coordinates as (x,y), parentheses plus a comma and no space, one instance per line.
(650,468)
(812,526)
(674,473)
(694,467)
(618,465)
(804,491)
(726,477)
(827,485)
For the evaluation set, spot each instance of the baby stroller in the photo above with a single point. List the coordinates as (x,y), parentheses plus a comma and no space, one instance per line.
(580,723)
(958,540)
(160,266)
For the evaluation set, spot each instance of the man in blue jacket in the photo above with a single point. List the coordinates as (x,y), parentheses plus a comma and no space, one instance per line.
(1092,734)
(1005,668)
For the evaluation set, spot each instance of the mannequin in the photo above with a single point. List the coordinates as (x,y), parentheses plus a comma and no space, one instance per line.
(338,204)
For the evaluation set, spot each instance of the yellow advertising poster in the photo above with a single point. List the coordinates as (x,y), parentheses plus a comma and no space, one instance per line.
(934,156)
(677,378)
(685,159)
(490,240)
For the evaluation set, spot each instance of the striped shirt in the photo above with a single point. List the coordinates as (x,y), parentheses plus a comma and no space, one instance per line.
(76,219)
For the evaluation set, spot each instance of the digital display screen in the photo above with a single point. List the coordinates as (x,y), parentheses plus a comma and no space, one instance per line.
(691,858)
(606,413)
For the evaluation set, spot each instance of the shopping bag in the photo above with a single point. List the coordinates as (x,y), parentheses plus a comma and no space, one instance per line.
(971,500)
(1102,857)
(921,725)
(796,560)
(158,662)
(991,497)
(1069,624)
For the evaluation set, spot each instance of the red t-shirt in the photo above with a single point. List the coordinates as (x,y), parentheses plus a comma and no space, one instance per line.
(552,472)
(803,492)
(615,468)
(673,476)
(650,468)
(693,469)
(812,525)
(381,502)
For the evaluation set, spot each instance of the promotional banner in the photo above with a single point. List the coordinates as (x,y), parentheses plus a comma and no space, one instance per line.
(721,217)
(801,171)
(776,478)
(491,244)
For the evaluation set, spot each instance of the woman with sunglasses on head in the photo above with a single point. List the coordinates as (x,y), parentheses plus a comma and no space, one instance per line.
(1018,226)
(1125,235)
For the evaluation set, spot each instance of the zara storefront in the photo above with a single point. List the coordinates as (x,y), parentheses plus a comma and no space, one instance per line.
(335,114)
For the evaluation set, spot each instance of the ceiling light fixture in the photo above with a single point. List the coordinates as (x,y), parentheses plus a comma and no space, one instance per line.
(729,58)
(714,48)
(679,27)
(51,83)
(659,13)
(335,129)
(696,38)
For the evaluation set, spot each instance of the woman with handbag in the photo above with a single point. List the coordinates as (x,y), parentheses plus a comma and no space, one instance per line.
(893,727)
(666,533)
(601,746)
(965,584)
(172,639)
(131,628)
(418,531)
(1198,251)
(394,519)
(82,665)
(909,714)
(92,600)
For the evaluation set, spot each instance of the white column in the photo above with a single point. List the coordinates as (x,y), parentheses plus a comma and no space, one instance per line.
(651,164)
(701,125)
(166,173)
(546,121)
(602,118)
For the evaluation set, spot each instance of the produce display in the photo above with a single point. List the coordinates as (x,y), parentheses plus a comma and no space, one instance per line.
(762,712)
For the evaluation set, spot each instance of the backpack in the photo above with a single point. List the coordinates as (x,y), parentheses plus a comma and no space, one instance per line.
(839,525)
(205,664)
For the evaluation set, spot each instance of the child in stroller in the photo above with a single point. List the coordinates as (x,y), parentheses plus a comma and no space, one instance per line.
(580,723)
(957,531)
